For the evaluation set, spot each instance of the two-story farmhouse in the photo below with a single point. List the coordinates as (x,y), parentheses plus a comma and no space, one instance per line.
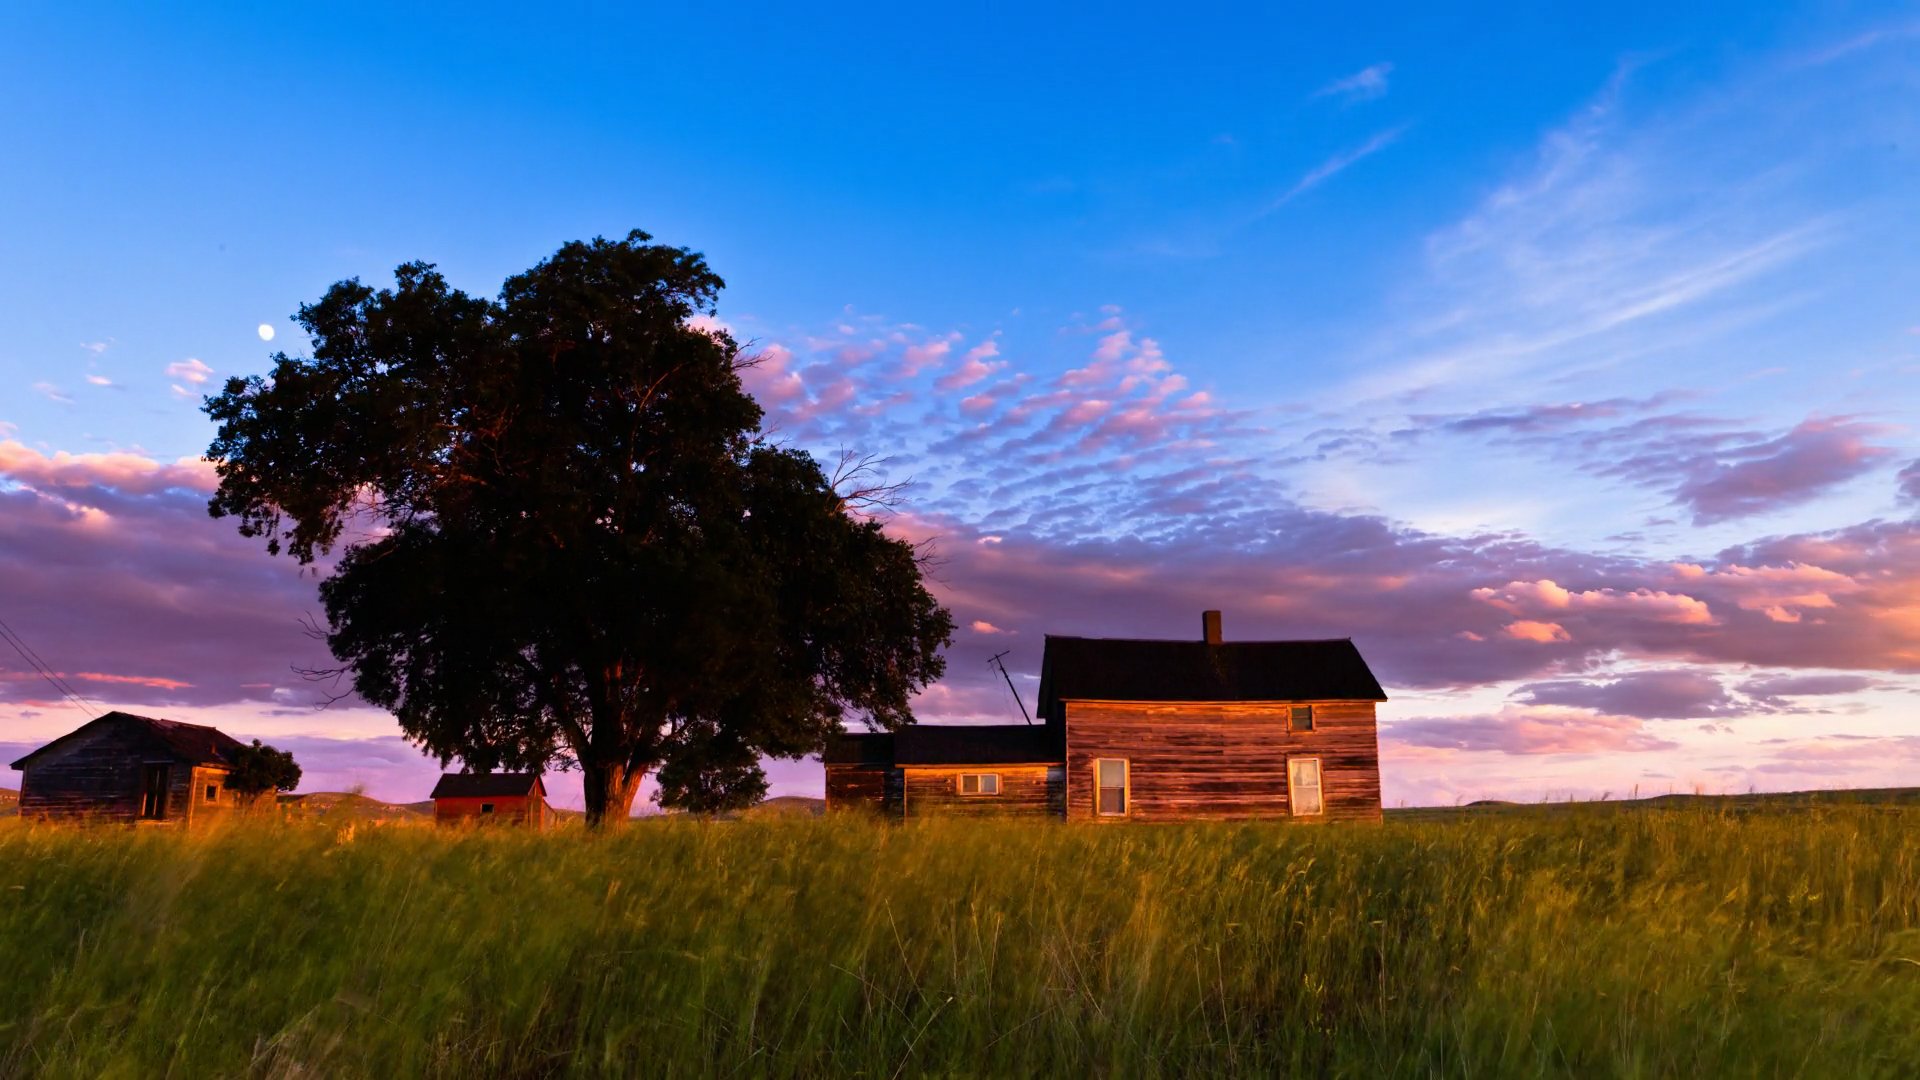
(1140,730)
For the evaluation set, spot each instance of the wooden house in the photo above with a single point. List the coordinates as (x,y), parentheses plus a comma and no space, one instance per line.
(123,767)
(491,798)
(1145,730)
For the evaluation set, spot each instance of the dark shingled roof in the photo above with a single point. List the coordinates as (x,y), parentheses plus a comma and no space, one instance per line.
(484,785)
(1122,669)
(950,744)
(859,748)
(192,744)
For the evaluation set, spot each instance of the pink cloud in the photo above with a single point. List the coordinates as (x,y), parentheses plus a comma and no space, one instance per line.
(976,365)
(1526,730)
(124,471)
(1531,630)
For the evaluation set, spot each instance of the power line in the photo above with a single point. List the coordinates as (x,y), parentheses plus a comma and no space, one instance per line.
(40,667)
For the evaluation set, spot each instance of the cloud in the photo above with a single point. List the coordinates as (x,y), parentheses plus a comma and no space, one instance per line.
(99,380)
(1909,480)
(52,393)
(189,370)
(1532,630)
(976,365)
(1363,85)
(1528,730)
(1646,695)
(1773,691)
(122,471)
(1742,480)
(1338,164)
(982,626)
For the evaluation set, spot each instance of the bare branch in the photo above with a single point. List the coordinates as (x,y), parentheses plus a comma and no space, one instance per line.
(857,479)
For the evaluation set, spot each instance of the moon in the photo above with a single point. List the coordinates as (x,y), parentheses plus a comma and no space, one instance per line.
(266,331)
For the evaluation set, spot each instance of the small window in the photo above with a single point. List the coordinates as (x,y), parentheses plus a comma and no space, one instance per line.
(486,808)
(1300,718)
(213,792)
(1110,777)
(1303,786)
(980,783)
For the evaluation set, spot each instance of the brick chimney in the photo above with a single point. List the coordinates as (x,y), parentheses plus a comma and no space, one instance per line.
(1210,626)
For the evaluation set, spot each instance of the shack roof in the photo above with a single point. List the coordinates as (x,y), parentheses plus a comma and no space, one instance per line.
(1133,669)
(494,785)
(191,744)
(950,744)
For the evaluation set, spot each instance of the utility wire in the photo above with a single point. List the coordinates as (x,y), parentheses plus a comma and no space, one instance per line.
(12,637)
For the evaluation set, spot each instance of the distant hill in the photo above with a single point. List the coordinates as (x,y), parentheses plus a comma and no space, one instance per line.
(792,804)
(1752,801)
(346,804)
(9,802)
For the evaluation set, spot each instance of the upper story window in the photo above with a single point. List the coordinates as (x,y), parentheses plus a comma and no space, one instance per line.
(1303,786)
(1112,791)
(1300,718)
(486,808)
(979,783)
(213,793)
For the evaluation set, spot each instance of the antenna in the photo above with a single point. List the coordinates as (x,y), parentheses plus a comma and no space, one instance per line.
(995,661)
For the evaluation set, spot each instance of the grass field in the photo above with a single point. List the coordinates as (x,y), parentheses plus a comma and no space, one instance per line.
(1774,939)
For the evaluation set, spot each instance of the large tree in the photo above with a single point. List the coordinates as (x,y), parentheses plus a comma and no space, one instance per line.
(562,538)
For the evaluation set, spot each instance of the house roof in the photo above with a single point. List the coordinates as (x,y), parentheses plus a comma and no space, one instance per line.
(485,785)
(949,744)
(192,744)
(1130,669)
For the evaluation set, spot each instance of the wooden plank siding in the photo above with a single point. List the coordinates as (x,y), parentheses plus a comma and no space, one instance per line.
(873,789)
(93,775)
(1025,791)
(1213,760)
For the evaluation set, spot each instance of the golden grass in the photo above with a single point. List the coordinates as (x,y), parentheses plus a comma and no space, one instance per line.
(1652,943)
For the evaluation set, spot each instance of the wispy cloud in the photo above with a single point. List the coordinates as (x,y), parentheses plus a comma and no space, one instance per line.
(52,392)
(1363,85)
(189,370)
(1336,165)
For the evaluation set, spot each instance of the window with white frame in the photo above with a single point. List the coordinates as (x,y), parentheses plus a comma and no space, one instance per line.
(982,783)
(1112,787)
(1303,786)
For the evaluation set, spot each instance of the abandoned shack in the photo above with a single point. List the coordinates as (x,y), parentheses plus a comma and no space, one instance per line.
(125,767)
(491,798)
(1145,730)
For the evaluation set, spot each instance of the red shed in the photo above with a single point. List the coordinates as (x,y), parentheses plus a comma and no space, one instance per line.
(511,798)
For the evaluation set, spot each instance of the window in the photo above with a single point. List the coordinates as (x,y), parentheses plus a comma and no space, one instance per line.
(979,783)
(1110,778)
(486,808)
(1303,786)
(153,792)
(1300,718)
(213,792)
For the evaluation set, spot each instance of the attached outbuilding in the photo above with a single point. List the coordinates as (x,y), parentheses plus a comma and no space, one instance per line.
(123,767)
(1145,730)
(491,798)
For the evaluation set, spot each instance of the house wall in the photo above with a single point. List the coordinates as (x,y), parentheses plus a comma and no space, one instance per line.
(874,789)
(1193,760)
(1025,791)
(510,809)
(95,774)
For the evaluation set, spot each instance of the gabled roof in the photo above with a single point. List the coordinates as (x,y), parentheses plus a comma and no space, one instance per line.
(496,785)
(950,744)
(1131,669)
(190,744)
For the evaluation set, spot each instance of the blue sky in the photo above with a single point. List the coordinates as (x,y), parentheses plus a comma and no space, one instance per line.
(1135,297)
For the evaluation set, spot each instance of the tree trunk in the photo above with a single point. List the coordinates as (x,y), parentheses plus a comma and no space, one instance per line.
(610,788)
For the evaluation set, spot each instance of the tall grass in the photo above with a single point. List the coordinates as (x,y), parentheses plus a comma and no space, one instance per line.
(1657,943)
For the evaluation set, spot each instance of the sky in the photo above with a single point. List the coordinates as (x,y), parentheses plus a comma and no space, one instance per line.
(1566,362)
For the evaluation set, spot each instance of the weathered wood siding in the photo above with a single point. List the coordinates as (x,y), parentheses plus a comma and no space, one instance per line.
(871,788)
(96,774)
(1215,760)
(1025,791)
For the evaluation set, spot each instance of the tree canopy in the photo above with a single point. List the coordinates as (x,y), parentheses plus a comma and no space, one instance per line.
(258,769)
(562,538)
